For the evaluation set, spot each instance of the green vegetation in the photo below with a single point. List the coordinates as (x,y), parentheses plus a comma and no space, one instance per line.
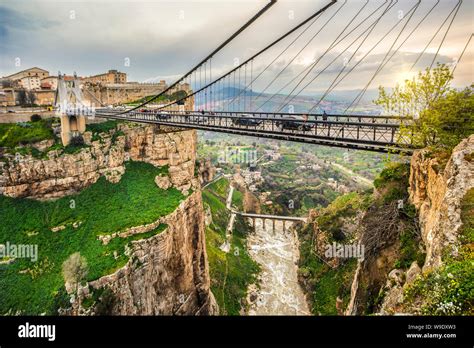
(392,183)
(231,272)
(103,127)
(102,208)
(220,187)
(22,133)
(467,217)
(332,217)
(325,284)
(441,115)
(447,291)
(409,250)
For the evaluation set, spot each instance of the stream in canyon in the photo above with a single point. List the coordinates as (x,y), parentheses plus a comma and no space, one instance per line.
(278,291)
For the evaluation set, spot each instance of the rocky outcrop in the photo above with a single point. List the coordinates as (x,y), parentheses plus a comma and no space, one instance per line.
(437,195)
(59,174)
(206,171)
(168,273)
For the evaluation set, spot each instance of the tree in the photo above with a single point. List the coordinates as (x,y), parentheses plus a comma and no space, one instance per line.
(437,114)
(75,269)
(22,98)
(35,118)
(31,96)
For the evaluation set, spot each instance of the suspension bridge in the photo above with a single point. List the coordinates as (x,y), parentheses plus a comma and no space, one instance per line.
(228,102)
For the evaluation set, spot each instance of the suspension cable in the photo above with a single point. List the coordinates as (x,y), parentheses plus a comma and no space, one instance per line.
(435,34)
(334,44)
(446,33)
(358,97)
(264,49)
(349,60)
(368,29)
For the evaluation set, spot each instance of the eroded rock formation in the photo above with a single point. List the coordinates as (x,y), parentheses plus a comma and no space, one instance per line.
(59,174)
(437,196)
(167,273)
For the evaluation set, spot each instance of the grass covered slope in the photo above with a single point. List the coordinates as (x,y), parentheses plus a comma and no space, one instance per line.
(15,134)
(325,283)
(231,272)
(102,208)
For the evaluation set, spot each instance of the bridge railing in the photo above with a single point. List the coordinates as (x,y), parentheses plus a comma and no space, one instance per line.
(362,129)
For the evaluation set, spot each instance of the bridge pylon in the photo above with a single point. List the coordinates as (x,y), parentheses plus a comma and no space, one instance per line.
(69,103)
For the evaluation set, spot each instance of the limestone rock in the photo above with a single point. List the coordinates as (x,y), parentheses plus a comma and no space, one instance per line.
(165,269)
(163,182)
(65,174)
(438,195)
(412,273)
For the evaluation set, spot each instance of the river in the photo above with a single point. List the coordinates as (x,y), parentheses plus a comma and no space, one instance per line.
(279,292)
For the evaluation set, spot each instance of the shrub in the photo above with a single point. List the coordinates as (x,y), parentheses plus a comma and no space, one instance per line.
(35,118)
(77,141)
(75,269)
(438,114)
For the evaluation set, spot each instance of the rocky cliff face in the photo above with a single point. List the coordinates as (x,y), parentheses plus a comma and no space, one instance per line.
(437,196)
(59,174)
(167,274)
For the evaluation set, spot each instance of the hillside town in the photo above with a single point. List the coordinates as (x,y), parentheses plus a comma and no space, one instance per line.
(37,87)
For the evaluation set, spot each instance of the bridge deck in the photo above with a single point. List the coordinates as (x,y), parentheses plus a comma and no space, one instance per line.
(271,217)
(373,133)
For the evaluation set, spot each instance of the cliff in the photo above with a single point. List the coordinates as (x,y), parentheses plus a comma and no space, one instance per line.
(168,273)
(60,174)
(417,256)
(146,256)
(437,195)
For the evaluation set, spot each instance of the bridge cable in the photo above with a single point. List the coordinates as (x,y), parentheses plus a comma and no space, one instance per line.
(329,89)
(333,45)
(368,29)
(304,47)
(462,53)
(286,48)
(385,60)
(408,36)
(433,37)
(220,47)
(345,2)
(259,52)
(367,53)
(446,33)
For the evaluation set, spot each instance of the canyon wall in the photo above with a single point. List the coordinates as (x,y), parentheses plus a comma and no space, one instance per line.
(168,273)
(437,195)
(59,175)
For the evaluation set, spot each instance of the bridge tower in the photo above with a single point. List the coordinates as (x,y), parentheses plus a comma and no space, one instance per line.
(70,104)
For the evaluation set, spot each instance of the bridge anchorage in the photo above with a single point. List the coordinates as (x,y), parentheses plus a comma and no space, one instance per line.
(71,108)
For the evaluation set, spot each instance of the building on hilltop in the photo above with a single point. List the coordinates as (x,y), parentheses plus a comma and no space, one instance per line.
(111,76)
(29,79)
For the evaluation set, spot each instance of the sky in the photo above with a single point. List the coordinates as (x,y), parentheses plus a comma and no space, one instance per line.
(157,39)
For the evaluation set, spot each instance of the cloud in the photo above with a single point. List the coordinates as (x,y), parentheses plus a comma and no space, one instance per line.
(164,39)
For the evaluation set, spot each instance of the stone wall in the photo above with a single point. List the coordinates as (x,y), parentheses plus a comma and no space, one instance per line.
(167,274)
(59,174)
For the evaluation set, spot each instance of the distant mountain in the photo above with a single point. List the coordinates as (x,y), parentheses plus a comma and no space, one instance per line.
(228,99)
